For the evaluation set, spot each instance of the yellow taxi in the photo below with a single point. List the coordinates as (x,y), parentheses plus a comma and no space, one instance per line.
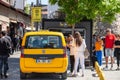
(43,52)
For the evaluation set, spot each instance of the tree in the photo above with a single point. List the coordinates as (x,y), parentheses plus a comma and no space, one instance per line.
(76,10)
(116,25)
(27,8)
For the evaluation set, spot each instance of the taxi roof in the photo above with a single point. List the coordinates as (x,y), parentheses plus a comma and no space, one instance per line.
(43,32)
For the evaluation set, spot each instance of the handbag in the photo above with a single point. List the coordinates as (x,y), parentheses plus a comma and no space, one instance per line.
(86,53)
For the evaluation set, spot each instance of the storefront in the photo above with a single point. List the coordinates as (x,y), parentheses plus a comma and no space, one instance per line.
(12,18)
(4,22)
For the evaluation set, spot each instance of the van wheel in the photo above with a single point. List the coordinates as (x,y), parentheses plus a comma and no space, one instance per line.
(64,75)
(23,75)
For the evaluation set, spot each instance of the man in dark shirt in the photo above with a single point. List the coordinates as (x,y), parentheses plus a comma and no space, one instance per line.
(4,53)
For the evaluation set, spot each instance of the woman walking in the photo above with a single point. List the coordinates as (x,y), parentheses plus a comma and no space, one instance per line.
(117,50)
(80,46)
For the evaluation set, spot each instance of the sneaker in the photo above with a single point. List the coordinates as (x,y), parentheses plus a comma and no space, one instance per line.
(6,75)
(69,74)
(105,68)
(78,74)
(117,69)
(111,68)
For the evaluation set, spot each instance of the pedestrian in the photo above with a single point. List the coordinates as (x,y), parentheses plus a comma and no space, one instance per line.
(10,42)
(109,50)
(68,50)
(117,50)
(71,45)
(80,46)
(18,43)
(4,54)
(93,55)
(103,39)
(99,50)
(15,42)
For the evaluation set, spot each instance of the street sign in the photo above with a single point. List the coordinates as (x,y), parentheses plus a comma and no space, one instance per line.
(36,14)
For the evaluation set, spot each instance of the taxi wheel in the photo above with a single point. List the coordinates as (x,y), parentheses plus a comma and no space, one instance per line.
(23,75)
(64,75)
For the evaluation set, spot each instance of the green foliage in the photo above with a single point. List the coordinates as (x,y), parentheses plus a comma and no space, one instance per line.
(77,10)
(27,9)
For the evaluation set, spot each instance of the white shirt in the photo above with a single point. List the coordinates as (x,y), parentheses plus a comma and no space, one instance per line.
(81,48)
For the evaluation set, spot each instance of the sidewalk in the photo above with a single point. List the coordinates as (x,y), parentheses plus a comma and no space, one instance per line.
(111,74)
(88,76)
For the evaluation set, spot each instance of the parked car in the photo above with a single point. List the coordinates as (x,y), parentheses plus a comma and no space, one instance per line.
(43,52)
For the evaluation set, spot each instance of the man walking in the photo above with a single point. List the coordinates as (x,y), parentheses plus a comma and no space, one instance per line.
(109,50)
(4,54)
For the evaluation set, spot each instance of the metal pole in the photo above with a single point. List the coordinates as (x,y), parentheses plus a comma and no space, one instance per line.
(36,24)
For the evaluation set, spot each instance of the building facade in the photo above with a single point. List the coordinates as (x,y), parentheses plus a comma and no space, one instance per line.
(6,1)
(51,10)
(20,4)
(12,17)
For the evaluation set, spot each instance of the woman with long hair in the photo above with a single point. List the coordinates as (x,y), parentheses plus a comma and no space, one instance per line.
(80,46)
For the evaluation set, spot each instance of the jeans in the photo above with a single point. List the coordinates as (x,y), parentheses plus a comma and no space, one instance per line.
(99,57)
(3,62)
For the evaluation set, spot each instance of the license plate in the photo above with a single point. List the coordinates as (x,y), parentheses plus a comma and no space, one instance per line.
(43,61)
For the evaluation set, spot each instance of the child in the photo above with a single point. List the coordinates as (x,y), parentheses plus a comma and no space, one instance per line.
(98,49)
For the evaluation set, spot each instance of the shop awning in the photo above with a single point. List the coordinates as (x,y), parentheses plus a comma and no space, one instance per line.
(13,21)
(4,19)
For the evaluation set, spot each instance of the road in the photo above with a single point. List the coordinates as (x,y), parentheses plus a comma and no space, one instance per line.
(15,75)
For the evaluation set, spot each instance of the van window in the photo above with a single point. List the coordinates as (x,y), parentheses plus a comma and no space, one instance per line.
(43,42)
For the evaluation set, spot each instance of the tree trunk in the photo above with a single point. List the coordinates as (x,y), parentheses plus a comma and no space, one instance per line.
(73,28)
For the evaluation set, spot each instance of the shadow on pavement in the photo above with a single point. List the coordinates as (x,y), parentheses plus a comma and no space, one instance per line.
(35,76)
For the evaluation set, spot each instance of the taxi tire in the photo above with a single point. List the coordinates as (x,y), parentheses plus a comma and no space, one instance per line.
(64,75)
(23,75)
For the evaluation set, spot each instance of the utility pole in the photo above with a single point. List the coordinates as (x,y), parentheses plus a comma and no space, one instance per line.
(36,15)
(36,23)
(38,4)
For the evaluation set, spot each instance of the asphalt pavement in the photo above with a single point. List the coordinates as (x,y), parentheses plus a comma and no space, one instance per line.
(89,75)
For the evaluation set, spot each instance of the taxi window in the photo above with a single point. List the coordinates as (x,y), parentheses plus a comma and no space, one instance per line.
(43,42)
